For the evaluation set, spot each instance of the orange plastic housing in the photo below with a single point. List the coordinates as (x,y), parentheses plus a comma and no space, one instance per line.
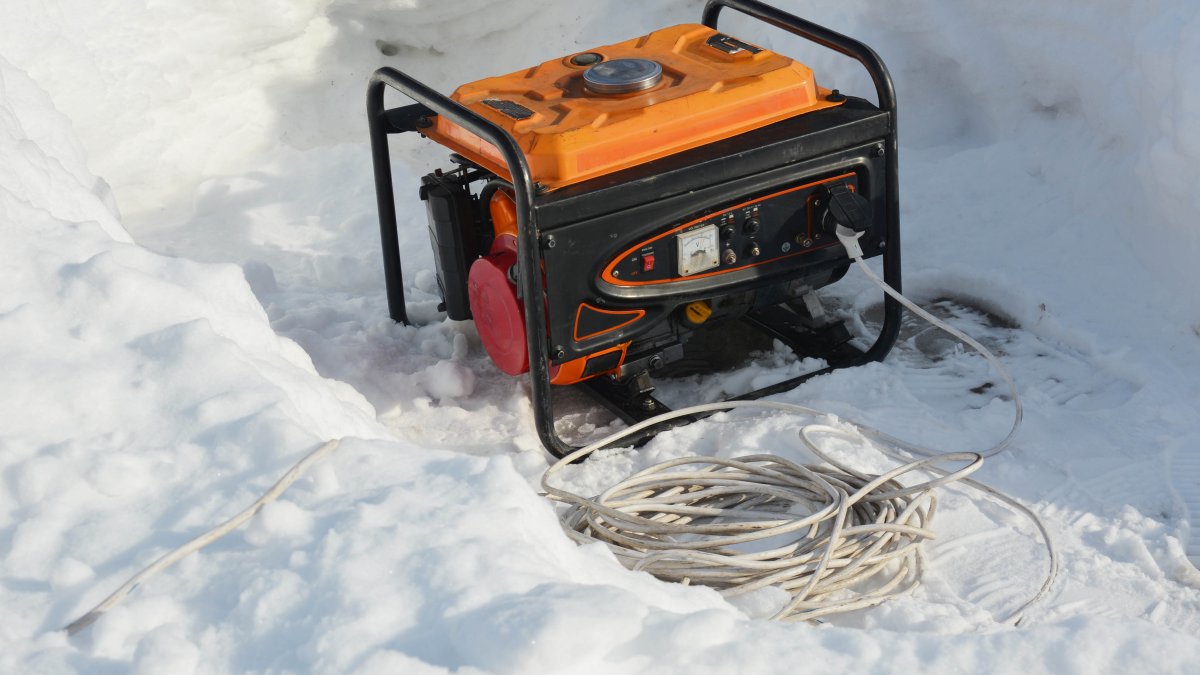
(570,134)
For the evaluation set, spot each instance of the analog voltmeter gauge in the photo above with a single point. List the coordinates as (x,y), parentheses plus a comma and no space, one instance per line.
(698,250)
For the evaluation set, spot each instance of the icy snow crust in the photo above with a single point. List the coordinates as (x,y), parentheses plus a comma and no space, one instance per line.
(162,367)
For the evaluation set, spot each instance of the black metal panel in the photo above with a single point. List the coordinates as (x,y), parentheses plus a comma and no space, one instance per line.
(581,250)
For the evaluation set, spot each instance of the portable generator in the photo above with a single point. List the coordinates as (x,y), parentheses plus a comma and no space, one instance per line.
(608,210)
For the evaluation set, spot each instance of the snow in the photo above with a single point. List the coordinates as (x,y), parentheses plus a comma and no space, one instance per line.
(193,300)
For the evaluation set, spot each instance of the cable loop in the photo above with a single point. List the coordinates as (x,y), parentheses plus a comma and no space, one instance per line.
(746,523)
(835,538)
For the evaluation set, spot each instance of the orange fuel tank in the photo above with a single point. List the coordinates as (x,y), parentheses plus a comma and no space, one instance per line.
(575,118)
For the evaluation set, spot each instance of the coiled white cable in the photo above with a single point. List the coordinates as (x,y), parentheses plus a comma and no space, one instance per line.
(835,539)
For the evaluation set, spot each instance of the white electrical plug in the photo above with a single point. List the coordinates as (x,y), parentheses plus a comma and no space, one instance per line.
(849,239)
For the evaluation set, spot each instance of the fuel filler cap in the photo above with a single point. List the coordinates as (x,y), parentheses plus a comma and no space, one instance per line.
(622,76)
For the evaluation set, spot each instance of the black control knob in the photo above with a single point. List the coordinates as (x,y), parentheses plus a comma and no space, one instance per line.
(752,226)
(838,204)
(727,232)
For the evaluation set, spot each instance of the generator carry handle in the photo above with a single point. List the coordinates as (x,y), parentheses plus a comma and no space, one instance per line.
(381,123)
(814,33)
(886,93)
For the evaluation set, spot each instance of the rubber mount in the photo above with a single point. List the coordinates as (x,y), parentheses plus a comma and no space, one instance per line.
(499,315)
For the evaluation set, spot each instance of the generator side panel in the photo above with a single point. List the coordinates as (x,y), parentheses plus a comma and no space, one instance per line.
(632,279)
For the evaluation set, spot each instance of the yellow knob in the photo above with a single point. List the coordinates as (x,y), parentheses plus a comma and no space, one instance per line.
(697,312)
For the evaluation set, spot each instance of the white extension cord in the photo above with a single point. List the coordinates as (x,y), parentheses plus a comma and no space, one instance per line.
(835,539)
(203,540)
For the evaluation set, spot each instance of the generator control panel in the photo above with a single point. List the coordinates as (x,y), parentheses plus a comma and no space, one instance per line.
(757,232)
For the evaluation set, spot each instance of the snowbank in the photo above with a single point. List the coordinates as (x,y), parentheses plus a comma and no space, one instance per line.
(141,393)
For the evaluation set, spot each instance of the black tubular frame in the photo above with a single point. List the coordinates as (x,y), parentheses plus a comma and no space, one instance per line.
(885,91)
(529,251)
(382,122)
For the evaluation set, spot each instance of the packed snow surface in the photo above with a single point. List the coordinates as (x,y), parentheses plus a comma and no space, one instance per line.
(192,299)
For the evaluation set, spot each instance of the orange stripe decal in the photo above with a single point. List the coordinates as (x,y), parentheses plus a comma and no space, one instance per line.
(633,315)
